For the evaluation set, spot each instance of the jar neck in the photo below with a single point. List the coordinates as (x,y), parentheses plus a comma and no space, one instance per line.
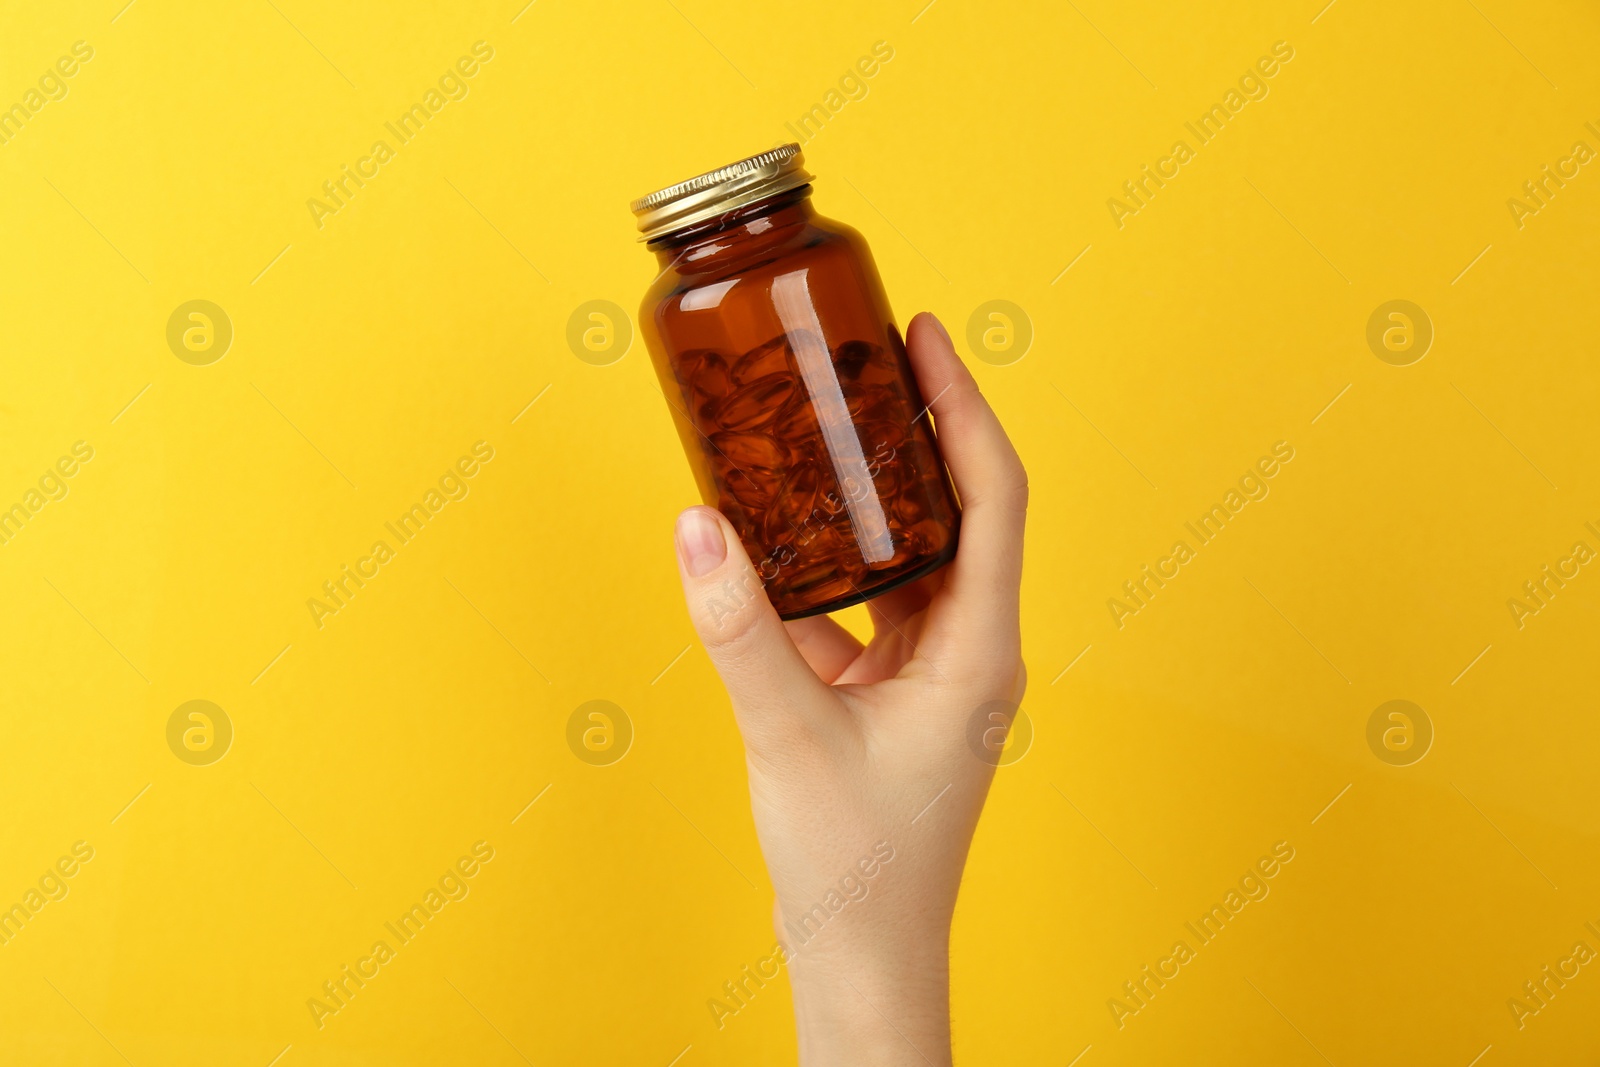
(737,233)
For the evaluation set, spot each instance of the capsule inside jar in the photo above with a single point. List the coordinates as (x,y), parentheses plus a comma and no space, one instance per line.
(790,388)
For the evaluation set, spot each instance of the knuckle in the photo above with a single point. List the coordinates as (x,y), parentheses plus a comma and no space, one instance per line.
(728,615)
(1017,486)
(1013,476)
(1010,488)
(965,396)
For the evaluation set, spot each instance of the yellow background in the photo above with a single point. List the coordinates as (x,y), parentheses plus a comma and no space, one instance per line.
(425,716)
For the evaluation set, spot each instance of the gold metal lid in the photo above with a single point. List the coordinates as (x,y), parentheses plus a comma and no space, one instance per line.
(717,191)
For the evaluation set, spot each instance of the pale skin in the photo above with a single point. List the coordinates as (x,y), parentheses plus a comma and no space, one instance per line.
(849,745)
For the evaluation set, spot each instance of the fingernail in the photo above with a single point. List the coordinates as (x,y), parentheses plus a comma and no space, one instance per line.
(942,331)
(700,543)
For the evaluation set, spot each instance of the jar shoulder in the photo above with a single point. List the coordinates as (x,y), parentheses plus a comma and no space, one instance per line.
(819,240)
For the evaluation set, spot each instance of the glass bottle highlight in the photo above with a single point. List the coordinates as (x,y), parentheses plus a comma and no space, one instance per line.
(773,340)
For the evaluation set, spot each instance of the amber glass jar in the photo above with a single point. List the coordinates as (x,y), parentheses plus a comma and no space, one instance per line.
(789,384)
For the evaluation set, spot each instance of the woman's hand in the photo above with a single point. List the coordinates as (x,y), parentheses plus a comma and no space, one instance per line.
(867,765)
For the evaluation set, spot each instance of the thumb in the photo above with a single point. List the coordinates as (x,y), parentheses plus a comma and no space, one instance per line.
(769,681)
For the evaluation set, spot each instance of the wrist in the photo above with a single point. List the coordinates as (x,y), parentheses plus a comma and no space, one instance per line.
(874,1008)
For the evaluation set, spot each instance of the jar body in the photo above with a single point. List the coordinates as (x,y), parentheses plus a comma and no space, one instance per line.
(789,384)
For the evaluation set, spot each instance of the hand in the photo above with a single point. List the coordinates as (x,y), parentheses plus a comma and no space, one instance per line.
(864,785)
